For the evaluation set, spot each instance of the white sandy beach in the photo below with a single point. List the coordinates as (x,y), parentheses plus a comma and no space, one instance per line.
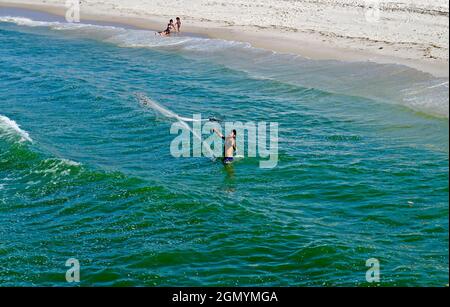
(410,32)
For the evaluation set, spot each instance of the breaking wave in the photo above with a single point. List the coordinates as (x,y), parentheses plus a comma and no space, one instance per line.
(10,129)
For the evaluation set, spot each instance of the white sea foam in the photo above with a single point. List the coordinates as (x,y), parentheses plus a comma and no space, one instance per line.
(10,128)
(384,82)
(57,166)
(24,21)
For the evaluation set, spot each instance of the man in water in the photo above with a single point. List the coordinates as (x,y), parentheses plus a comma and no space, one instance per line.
(178,24)
(229,147)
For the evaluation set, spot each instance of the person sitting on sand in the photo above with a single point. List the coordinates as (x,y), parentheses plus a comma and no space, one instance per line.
(172,25)
(229,147)
(169,29)
(178,24)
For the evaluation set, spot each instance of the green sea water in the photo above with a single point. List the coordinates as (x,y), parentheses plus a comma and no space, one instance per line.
(86,170)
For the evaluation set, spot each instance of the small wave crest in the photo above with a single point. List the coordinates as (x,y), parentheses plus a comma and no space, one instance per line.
(10,129)
(54,166)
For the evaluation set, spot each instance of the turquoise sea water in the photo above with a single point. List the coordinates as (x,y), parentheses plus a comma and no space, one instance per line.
(86,170)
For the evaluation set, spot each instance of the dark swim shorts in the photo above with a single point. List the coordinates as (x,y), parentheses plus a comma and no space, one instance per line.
(228,160)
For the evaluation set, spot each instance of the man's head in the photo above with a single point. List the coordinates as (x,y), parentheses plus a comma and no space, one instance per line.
(233,134)
(178,18)
(171,21)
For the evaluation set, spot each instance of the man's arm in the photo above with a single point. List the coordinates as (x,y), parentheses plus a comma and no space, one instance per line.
(218,133)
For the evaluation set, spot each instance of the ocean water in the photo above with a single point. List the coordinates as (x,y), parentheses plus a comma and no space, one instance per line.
(86,170)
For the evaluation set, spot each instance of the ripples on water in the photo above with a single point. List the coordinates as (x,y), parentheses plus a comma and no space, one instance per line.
(362,173)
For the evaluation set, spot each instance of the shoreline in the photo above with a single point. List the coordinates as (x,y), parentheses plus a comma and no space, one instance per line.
(303,44)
